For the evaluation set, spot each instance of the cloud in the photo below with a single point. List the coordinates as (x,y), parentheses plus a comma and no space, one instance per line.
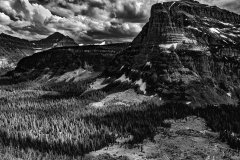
(87,21)
(232,5)
(4,19)
(132,11)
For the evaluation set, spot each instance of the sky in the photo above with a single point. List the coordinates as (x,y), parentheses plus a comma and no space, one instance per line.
(86,21)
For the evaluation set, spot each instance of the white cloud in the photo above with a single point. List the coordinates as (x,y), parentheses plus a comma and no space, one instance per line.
(4,19)
(86,21)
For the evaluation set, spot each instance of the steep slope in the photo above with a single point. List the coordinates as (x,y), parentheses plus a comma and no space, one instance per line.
(67,62)
(12,49)
(55,40)
(186,52)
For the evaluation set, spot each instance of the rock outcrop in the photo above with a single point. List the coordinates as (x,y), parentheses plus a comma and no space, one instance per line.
(186,52)
(12,49)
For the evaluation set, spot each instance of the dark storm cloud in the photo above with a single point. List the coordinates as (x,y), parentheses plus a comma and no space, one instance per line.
(87,21)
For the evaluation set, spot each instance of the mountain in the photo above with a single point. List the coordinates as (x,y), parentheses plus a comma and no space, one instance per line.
(55,40)
(89,59)
(187,52)
(104,43)
(12,49)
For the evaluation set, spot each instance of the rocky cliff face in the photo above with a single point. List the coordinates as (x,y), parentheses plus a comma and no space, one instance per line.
(12,49)
(186,52)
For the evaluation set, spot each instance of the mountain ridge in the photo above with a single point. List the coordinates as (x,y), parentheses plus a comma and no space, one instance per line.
(12,49)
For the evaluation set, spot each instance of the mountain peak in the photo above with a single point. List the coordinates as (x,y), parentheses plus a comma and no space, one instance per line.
(56,35)
(184,44)
(57,39)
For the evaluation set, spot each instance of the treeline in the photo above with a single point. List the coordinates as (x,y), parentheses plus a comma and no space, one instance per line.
(68,89)
(79,133)
(67,125)
(142,121)
(224,119)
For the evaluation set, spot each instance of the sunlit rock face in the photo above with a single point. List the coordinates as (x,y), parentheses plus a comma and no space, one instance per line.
(186,52)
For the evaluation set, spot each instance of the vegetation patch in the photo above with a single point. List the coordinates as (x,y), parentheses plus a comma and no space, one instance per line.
(31,120)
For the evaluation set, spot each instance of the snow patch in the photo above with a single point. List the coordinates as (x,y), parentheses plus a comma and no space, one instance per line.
(149,64)
(142,85)
(168,46)
(226,24)
(214,30)
(123,78)
(171,5)
(36,50)
(229,95)
(98,84)
(233,35)
(194,28)
(154,95)
(223,36)
(121,68)
(206,23)
(103,43)
(236,31)
(134,70)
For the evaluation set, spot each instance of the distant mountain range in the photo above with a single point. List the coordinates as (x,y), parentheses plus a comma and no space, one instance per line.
(100,44)
(12,49)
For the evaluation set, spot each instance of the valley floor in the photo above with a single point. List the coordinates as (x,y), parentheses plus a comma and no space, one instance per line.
(187,138)
(62,121)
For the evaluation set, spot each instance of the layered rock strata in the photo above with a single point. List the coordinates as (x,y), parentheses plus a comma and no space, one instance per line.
(186,52)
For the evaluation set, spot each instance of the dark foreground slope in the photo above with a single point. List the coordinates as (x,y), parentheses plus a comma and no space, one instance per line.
(12,49)
(186,52)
